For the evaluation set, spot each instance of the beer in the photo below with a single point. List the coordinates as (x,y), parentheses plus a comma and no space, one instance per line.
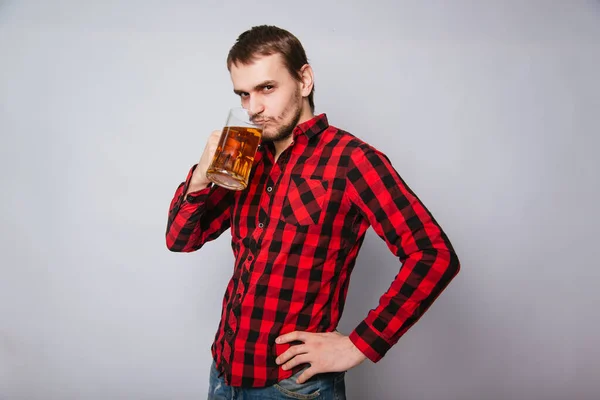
(234,157)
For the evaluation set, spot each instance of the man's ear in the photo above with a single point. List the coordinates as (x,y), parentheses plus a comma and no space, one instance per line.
(307,78)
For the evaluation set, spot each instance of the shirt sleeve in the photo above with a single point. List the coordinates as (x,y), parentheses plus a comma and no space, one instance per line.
(428,260)
(198,218)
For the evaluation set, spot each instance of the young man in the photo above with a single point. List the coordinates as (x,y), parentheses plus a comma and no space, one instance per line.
(296,231)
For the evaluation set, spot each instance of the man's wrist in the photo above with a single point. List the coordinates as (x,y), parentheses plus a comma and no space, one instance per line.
(357,355)
(198,182)
(196,187)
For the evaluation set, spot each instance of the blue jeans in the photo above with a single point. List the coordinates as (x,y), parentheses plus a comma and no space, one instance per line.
(330,386)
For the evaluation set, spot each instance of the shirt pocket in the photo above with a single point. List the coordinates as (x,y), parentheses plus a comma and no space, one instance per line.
(304,201)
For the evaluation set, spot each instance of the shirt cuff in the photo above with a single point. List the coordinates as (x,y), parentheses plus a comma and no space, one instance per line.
(369,342)
(198,196)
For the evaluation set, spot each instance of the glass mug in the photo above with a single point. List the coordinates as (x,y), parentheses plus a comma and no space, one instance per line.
(234,157)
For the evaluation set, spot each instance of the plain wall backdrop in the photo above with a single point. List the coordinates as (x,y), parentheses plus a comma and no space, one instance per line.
(488,109)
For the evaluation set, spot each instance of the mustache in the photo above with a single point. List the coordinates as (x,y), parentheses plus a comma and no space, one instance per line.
(260,119)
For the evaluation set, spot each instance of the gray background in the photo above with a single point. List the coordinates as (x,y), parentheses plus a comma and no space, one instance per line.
(488,109)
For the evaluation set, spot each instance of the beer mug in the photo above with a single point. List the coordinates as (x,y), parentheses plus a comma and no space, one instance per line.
(234,157)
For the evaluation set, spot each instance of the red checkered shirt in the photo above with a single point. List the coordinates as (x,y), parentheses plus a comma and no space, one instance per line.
(296,231)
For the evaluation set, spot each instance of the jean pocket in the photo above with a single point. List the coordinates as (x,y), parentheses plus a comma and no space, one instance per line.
(298,392)
(310,389)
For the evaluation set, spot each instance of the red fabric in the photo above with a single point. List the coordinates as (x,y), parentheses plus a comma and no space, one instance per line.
(296,231)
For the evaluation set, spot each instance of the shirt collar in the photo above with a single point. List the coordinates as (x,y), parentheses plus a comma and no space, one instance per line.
(312,127)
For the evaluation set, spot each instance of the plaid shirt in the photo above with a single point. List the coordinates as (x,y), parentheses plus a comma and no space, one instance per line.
(296,231)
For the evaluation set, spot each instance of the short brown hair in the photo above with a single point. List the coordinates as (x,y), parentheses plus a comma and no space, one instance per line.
(265,40)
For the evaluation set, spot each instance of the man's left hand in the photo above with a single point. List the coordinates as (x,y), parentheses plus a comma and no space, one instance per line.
(325,352)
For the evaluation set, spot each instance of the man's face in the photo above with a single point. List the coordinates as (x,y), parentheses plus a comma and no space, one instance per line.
(270,93)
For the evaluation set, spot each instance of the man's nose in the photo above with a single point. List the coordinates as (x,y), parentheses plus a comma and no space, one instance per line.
(255,105)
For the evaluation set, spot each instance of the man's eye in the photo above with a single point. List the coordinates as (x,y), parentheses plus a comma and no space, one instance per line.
(242,95)
(268,88)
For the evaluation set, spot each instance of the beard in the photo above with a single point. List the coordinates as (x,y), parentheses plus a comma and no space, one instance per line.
(285,131)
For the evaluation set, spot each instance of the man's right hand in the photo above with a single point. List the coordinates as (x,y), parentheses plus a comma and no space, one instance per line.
(199,180)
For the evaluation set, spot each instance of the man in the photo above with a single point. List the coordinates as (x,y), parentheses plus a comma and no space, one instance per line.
(296,231)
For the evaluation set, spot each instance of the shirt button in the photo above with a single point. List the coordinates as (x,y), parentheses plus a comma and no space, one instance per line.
(250,258)
(269,189)
(229,332)
(261,225)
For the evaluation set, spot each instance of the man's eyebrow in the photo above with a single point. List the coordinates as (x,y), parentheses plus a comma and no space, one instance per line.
(265,83)
(257,87)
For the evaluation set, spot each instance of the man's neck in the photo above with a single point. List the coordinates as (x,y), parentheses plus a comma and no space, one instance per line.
(281,145)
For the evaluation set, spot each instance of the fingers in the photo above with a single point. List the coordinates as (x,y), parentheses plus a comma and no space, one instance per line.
(207,156)
(293,336)
(214,137)
(290,353)
(306,375)
(301,359)
(213,143)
